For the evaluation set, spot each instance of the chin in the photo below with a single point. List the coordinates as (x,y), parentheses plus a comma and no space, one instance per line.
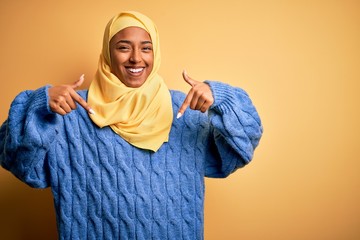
(134,84)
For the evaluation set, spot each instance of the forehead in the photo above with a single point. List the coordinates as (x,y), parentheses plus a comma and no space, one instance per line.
(132,34)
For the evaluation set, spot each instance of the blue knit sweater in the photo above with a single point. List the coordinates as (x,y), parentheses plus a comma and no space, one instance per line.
(104,188)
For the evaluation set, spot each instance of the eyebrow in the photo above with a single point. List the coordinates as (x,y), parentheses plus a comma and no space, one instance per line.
(129,42)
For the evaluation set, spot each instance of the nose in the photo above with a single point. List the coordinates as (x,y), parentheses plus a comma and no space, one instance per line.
(135,56)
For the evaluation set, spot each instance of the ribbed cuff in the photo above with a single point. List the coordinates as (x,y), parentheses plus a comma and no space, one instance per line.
(40,102)
(223,96)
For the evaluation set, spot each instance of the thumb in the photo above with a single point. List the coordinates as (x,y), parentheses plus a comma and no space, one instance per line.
(189,80)
(78,82)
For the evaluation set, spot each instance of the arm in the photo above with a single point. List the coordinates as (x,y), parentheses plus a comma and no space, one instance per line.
(236,130)
(31,128)
(235,126)
(26,136)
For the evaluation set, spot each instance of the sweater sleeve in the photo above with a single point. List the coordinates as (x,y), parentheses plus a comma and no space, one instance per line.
(26,136)
(236,130)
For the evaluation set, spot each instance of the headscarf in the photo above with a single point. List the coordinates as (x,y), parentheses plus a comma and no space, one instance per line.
(142,116)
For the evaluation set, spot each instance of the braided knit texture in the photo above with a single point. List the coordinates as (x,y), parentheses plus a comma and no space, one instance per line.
(104,188)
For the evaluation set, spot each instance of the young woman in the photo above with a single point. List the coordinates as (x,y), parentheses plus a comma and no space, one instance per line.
(127,158)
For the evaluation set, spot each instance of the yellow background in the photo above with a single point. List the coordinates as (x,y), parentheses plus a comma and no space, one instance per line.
(298,60)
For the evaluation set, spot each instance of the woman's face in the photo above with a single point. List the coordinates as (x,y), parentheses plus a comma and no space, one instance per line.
(132,57)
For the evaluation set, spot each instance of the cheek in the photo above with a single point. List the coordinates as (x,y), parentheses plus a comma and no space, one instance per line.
(150,61)
(116,61)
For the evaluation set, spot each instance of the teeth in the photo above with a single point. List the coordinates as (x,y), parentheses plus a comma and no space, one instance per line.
(135,70)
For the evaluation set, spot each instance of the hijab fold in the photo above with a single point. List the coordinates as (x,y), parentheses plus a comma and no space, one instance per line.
(142,116)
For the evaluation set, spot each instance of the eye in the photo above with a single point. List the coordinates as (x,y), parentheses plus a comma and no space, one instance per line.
(123,48)
(147,49)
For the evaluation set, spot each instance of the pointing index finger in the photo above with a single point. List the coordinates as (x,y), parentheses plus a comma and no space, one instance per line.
(78,98)
(188,98)
(185,104)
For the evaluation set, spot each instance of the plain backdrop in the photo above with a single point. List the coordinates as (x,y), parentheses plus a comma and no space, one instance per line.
(298,60)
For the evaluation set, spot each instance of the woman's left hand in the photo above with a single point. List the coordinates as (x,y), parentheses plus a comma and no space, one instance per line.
(199,97)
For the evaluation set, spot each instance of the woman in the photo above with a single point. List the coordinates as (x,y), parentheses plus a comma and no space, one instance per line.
(130,163)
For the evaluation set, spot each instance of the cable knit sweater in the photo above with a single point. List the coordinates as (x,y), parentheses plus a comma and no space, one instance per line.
(104,188)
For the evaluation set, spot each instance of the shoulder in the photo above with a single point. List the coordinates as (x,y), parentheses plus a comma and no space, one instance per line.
(177,97)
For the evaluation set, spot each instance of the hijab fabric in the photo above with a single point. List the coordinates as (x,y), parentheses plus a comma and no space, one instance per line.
(142,116)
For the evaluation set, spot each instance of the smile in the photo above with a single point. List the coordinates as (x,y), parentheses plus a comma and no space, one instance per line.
(135,70)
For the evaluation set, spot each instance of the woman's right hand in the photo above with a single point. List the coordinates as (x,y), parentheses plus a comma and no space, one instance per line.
(63,98)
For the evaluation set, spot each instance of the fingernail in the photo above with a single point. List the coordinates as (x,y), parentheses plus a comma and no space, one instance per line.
(91,111)
(82,77)
(178,115)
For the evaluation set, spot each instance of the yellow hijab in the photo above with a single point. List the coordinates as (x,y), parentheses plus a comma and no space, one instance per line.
(142,116)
